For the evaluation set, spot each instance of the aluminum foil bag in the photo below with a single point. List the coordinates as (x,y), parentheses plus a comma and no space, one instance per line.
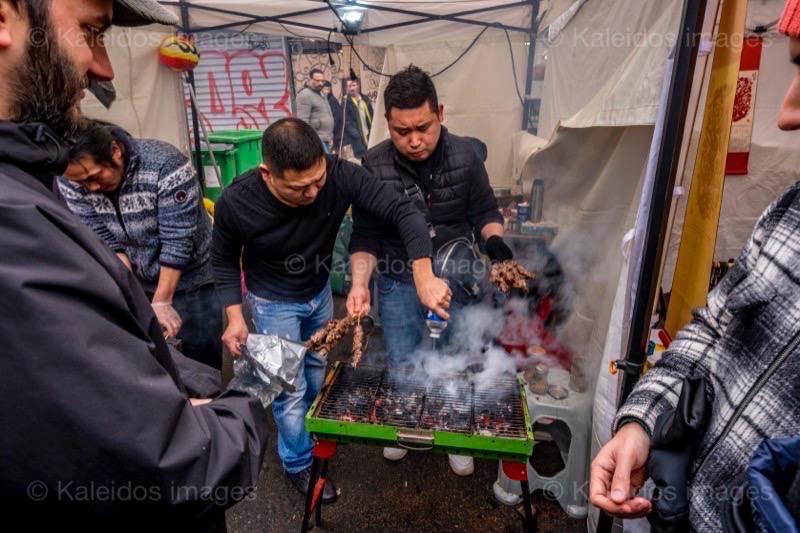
(267,367)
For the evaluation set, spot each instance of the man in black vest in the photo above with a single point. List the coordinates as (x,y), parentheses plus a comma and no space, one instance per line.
(445,177)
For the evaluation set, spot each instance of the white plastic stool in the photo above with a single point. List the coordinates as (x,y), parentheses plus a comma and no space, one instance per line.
(570,486)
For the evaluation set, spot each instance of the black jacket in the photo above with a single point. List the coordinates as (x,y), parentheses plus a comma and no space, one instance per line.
(460,199)
(336,110)
(353,132)
(286,252)
(97,431)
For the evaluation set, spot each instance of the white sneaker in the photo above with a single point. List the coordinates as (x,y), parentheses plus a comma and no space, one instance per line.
(462,465)
(394,454)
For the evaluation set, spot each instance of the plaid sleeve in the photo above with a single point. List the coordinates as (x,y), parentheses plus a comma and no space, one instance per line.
(694,347)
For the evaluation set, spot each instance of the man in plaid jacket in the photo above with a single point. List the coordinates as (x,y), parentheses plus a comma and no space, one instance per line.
(746,342)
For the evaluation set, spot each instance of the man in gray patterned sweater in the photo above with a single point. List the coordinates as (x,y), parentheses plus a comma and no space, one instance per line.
(746,342)
(142,197)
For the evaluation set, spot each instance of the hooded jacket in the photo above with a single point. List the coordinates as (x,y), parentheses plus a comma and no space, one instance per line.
(97,430)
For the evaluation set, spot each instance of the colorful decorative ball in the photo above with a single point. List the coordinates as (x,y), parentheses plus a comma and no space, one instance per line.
(179,53)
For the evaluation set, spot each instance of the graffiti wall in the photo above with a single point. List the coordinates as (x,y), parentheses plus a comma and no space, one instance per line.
(242,81)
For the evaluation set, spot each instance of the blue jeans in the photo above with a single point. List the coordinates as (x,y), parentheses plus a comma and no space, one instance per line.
(403,322)
(295,321)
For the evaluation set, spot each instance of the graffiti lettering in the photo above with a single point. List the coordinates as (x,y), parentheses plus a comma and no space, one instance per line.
(242,93)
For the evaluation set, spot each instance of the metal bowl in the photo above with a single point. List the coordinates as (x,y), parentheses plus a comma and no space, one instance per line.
(558,392)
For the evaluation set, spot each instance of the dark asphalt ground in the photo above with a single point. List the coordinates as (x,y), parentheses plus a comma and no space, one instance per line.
(418,494)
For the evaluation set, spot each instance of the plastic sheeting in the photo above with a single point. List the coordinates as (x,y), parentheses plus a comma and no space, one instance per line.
(774,159)
(605,67)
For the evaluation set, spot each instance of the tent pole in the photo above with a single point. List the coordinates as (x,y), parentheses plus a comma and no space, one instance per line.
(198,156)
(666,171)
(526,105)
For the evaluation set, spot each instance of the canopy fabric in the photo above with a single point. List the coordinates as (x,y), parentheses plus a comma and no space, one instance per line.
(149,101)
(317,13)
(478,93)
(605,67)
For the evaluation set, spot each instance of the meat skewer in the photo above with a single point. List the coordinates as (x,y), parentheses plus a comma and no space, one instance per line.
(510,274)
(358,343)
(325,339)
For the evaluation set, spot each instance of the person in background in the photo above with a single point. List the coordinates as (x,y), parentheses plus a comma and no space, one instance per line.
(336,111)
(282,220)
(445,178)
(102,429)
(142,197)
(744,343)
(314,110)
(358,118)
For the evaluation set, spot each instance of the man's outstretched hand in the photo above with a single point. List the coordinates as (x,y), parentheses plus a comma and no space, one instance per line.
(619,471)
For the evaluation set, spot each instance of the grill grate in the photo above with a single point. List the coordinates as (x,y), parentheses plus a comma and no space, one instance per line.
(352,395)
(495,414)
(397,398)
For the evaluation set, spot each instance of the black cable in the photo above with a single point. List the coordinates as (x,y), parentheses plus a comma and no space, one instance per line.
(366,66)
(475,40)
(514,68)
(296,34)
(516,83)
(353,46)
(330,57)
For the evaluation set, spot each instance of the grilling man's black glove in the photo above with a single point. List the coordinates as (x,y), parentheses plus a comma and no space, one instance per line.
(497,250)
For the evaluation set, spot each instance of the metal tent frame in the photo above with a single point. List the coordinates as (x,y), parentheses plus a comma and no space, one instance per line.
(290,19)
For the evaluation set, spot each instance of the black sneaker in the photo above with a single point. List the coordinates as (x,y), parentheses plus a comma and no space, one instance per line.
(300,480)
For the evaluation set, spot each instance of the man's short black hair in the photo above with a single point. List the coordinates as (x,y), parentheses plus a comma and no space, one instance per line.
(327,84)
(290,144)
(314,71)
(409,89)
(97,140)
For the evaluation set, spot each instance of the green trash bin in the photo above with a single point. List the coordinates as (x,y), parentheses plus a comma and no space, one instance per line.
(246,142)
(225,155)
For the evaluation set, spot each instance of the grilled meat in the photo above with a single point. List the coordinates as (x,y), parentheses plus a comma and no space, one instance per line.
(510,274)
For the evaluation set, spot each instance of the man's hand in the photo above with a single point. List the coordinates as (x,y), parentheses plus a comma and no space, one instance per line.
(619,471)
(236,332)
(432,291)
(198,401)
(358,301)
(168,317)
(497,250)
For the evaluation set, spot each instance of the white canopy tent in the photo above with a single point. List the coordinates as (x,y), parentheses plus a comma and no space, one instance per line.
(483,92)
(606,66)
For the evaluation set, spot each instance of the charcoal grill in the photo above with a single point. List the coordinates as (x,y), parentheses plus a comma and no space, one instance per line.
(395,407)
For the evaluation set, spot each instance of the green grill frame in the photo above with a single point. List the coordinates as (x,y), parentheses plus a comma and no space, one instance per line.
(481,446)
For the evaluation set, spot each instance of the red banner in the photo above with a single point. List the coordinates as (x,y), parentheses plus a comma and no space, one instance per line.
(744,108)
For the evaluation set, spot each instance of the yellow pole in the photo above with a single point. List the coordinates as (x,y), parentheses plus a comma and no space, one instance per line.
(699,235)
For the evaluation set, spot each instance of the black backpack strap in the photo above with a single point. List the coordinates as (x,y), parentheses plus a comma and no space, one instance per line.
(413,191)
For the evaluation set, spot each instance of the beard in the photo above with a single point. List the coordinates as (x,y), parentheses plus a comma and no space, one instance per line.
(46,86)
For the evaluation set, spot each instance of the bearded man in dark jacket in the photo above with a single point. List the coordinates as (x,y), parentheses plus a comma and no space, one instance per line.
(99,431)
(445,177)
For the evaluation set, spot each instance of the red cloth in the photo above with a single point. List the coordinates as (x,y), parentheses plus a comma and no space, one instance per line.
(790,21)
